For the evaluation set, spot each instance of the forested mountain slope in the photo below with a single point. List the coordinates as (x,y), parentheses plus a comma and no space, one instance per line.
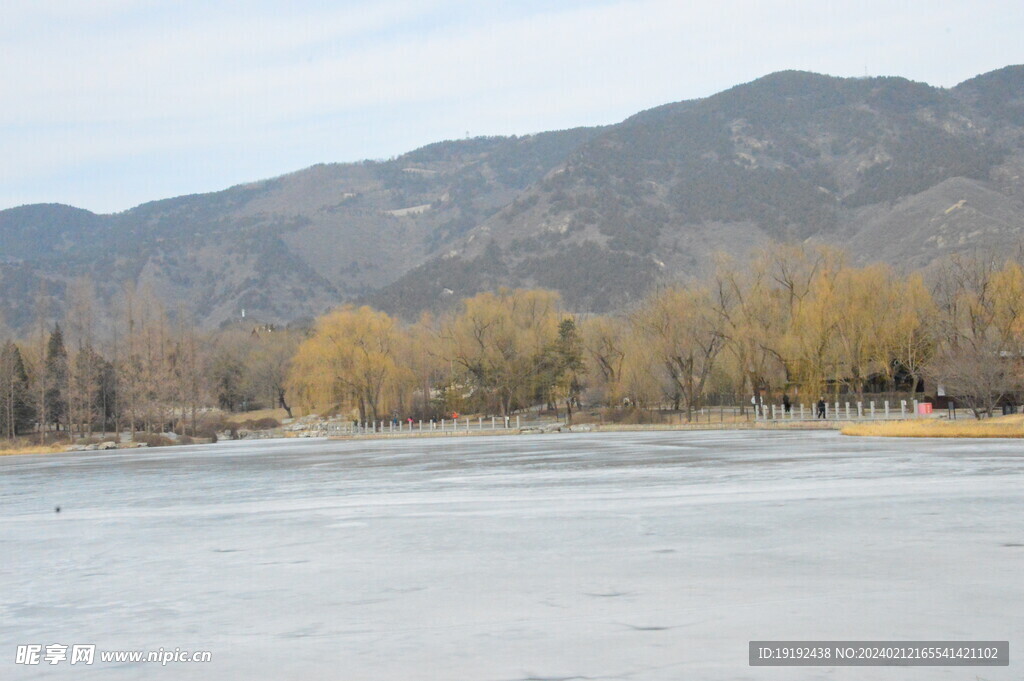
(888,168)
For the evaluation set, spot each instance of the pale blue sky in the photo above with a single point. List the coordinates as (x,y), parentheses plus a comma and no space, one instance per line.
(105,104)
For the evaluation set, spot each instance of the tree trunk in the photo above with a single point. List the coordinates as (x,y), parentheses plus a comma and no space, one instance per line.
(281,401)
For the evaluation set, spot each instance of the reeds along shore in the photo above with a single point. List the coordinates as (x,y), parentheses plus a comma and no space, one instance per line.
(16,447)
(1007,427)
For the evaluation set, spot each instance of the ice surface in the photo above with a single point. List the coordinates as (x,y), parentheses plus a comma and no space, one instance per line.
(585,556)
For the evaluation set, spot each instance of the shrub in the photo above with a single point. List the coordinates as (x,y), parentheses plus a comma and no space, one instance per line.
(265,423)
(154,439)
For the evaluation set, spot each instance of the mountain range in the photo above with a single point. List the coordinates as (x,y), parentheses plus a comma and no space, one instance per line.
(888,168)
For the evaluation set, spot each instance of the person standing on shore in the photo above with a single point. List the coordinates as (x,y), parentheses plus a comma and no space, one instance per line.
(821,408)
(786,404)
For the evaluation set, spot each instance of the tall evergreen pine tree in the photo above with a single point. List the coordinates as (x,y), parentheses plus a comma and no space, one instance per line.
(16,411)
(56,379)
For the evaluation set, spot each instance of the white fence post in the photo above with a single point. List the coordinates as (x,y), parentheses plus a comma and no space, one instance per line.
(887,409)
(801,411)
(517,421)
(914,415)
(860,410)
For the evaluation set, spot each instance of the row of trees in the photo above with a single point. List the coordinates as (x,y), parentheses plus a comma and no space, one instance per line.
(793,319)
(502,352)
(146,372)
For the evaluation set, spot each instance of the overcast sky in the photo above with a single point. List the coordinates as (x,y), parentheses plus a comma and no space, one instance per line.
(105,104)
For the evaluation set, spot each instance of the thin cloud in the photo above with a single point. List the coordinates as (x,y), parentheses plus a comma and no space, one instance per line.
(92,88)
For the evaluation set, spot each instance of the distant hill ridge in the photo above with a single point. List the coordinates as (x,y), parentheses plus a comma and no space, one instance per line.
(889,168)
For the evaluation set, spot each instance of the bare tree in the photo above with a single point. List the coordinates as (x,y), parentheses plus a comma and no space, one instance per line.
(978,376)
(268,362)
(979,327)
(684,336)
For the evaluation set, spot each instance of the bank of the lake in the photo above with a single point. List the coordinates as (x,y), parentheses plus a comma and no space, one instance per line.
(1001,427)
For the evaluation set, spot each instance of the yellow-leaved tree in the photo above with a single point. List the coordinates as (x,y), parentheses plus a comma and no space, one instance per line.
(906,339)
(865,304)
(499,340)
(683,337)
(349,362)
(605,341)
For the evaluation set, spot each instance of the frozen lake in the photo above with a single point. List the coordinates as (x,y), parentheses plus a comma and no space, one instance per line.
(585,556)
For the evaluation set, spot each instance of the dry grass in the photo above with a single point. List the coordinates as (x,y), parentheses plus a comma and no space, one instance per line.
(9,449)
(1004,426)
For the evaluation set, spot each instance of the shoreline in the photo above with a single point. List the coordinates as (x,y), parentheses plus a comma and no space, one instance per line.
(487,432)
(601,428)
(997,428)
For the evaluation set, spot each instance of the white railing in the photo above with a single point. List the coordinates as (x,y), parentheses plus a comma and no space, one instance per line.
(840,411)
(394,426)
